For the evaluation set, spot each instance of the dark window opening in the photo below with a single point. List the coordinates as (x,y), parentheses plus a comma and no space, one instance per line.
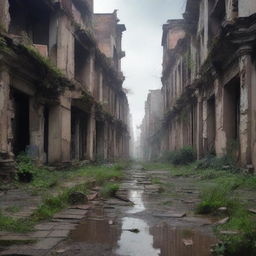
(217,9)
(81,63)
(100,140)
(46,132)
(211,124)
(232,109)
(30,18)
(115,59)
(79,121)
(20,122)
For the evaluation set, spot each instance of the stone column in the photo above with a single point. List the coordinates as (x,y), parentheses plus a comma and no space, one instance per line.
(245,65)
(221,139)
(4,115)
(91,136)
(4,15)
(60,131)
(36,126)
(199,127)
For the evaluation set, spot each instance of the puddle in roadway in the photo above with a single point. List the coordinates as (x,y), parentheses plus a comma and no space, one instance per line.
(160,240)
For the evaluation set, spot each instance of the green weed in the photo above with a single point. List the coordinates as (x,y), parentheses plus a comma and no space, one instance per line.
(109,189)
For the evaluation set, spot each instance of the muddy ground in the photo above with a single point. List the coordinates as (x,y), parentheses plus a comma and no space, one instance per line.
(161,221)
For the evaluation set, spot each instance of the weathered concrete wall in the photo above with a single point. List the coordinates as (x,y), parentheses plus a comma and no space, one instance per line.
(65,46)
(246,7)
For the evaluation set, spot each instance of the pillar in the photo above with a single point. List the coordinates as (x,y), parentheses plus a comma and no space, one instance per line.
(245,66)
(5,120)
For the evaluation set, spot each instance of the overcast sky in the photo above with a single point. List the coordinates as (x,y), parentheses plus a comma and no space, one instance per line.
(142,44)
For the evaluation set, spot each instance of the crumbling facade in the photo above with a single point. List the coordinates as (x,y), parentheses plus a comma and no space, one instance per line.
(61,95)
(150,144)
(209,80)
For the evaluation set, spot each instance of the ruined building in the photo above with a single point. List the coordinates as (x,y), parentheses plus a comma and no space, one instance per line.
(151,124)
(61,95)
(209,80)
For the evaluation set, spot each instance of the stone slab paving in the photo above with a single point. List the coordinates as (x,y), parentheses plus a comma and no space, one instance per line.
(47,235)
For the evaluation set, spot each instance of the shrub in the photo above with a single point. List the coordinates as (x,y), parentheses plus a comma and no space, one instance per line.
(217,163)
(25,168)
(213,198)
(185,155)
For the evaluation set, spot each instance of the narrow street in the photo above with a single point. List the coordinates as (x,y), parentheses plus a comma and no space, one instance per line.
(161,221)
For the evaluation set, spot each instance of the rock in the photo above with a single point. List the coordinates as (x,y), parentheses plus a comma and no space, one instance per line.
(229,232)
(92,196)
(81,207)
(170,215)
(77,198)
(252,210)
(222,209)
(187,242)
(223,221)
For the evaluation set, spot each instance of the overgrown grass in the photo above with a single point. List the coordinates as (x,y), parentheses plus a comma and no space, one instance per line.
(11,224)
(44,180)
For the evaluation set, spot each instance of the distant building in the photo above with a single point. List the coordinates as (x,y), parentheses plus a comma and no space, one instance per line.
(150,145)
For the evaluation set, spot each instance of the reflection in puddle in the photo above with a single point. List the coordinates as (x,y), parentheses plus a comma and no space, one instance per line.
(136,197)
(96,231)
(136,244)
(171,241)
(142,242)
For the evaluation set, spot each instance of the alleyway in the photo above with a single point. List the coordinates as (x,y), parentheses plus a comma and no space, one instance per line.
(161,221)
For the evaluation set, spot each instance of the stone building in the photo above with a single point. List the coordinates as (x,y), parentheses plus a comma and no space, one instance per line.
(150,144)
(61,95)
(209,80)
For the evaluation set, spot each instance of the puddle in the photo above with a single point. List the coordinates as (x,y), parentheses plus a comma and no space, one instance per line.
(172,241)
(96,231)
(162,239)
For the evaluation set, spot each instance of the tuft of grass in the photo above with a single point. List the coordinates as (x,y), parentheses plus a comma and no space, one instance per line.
(109,189)
(156,181)
(101,174)
(13,209)
(214,197)
(11,224)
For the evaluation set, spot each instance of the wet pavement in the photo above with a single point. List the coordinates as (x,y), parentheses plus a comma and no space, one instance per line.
(161,221)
